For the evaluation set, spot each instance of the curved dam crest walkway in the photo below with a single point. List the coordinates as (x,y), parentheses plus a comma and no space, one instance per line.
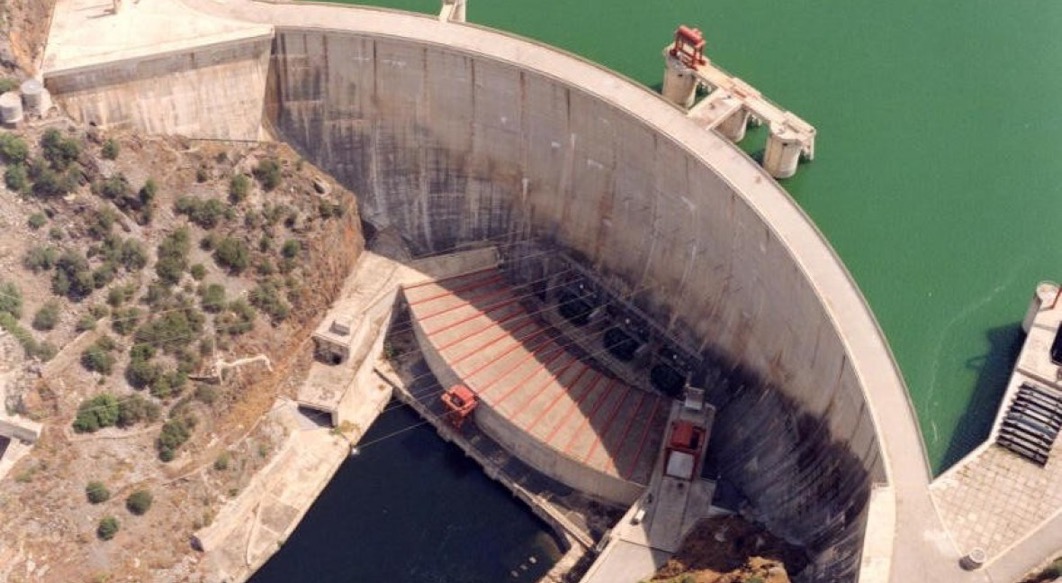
(906,539)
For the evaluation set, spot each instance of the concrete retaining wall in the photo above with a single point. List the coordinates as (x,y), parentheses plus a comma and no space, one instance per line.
(208,91)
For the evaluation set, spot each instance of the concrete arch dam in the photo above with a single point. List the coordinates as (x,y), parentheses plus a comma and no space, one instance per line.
(453,134)
(451,148)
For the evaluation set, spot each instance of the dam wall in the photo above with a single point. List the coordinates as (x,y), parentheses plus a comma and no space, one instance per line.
(452,147)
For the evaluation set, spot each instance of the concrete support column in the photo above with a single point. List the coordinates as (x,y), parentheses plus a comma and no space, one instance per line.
(783,152)
(680,84)
(461,11)
(1045,294)
(733,127)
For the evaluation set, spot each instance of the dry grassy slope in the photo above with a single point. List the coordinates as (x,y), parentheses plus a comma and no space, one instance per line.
(23,29)
(731,550)
(48,531)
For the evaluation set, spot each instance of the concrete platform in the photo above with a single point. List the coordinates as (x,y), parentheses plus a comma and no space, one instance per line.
(996,500)
(527,374)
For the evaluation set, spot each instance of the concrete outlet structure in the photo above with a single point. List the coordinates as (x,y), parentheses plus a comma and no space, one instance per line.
(456,135)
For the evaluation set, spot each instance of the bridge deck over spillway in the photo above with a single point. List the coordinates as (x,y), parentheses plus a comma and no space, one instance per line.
(534,378)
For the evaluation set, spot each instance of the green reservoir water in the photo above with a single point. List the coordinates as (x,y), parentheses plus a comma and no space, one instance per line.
(936,176)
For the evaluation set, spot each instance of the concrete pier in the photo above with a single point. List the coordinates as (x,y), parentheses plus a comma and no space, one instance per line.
(731,103)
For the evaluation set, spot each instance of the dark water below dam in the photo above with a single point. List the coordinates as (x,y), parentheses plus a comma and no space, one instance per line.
(414,509)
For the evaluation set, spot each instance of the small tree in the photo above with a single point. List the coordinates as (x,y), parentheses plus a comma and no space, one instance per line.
(268,174)
(10,299)
(232,254)
(37,220)
(239,188)
(47,317)
(16,178)
(13,149)
(96,492)
(107,528)
(110,149)
(139,502)
(291,248)
(96,359)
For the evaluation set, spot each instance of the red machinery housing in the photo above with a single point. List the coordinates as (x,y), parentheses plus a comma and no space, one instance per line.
(684,447)
(689,46)
(460,401)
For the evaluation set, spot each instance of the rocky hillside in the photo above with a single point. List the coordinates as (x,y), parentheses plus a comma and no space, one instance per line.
(133,272)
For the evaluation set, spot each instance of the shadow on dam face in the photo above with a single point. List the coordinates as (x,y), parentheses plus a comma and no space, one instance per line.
(452,149)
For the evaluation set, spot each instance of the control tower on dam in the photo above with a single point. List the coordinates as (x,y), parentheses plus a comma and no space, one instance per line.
(456,136)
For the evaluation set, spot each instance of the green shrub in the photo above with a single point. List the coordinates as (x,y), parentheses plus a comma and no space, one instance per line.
(133,255)
(139,502)
(45,351)
(198,271)
(110,149)
(60,152)
(174,434)
(266,297)
(173,256)
(125,320)
(56,234)
(104,274)
(172,329)
(239,188)
(115,187)
(10,299)
(47,317)
(209,242)
(101,223)
(37,220)
(206,213)
(120,294)
(96,413)
(169,384)
(142,373)
(268,174)
(49,183)
(85,323)
(33,349)
(149,191)
(96,492)
(206,394)
(134,409)
(40,259)
(72,277)
(16,178)
(221,463)
(213,298)
(238,318)
(13,148)
(291,249)
(202,174)
(232,254)
(96,359)
(107,528)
